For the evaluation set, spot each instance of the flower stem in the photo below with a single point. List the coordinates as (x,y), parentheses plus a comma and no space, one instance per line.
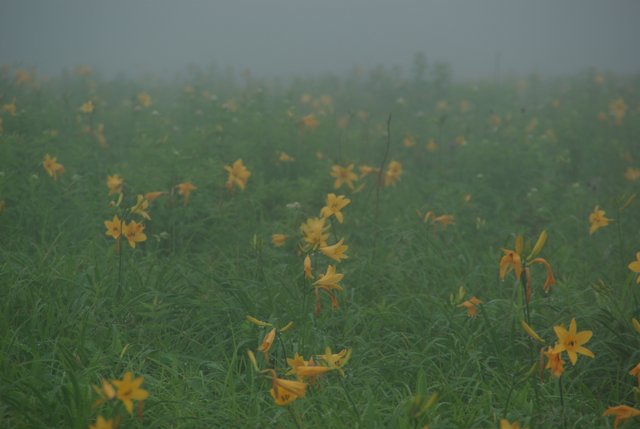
(564,417)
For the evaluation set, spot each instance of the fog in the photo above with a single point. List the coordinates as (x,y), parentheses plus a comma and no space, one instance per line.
(292,37)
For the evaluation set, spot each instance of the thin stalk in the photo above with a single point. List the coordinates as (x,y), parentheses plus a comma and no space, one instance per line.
(564,417)
(351,401)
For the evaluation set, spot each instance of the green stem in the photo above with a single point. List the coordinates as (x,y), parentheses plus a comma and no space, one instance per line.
(564,417)
(351,401)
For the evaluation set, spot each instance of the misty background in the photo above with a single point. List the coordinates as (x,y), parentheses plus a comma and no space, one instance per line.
(294,37)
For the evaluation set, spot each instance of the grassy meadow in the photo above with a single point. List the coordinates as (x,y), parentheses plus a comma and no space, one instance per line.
(171,251)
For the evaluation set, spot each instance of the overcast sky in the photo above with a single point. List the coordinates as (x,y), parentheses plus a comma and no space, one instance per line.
(285,37)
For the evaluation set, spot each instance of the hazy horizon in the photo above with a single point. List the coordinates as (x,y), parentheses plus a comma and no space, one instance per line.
(287,37)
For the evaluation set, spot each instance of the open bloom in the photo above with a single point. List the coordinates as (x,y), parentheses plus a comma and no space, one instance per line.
(286,391)
(129,390)
(505,424)
(305,370)
(336,251)
(238,175)
(621,412)
(572,341)
(314,232)
(635,267)
(335,361)
(114,183)
(329,283)
(114,227)
(597,220)
(343,175)
(52,167)
(134,233)
(513,260)
(185,189)
(334,205)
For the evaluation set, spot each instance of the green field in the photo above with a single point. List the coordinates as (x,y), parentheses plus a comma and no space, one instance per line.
(454,172)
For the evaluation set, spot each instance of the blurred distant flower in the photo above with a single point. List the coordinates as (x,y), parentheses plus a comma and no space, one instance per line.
(87,107)
(101,423)
(618,109)
(334,205)
(597,220)
(409,142)
(393,173)
(442,105)
(238,175)
(52,167)
(310,122)
(84,70)
(23,77)
(115,183)
(431,146)
(144,99)
(365,170)
(495,121)
(284,157)
(632,174)
(150,196)
(10,108)
(635,267)
(343,175)
(185,190)
(465,106)
(505,424)
(278,240)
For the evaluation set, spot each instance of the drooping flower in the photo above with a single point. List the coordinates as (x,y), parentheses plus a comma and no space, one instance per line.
(134,233)
(393,173)
(267,342)
(510,260)
(238,175)
(307,268)
(333,206)
(343,175)
(140,207)
(335,251)
(597,220)
(52,167)
(621,413)
(572,341)
(129,390)
(635,267)
(101,423)
(185,189)
(286,391)
(554,362)
(115,183)
(471,305)
(314,233)
(278,240)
